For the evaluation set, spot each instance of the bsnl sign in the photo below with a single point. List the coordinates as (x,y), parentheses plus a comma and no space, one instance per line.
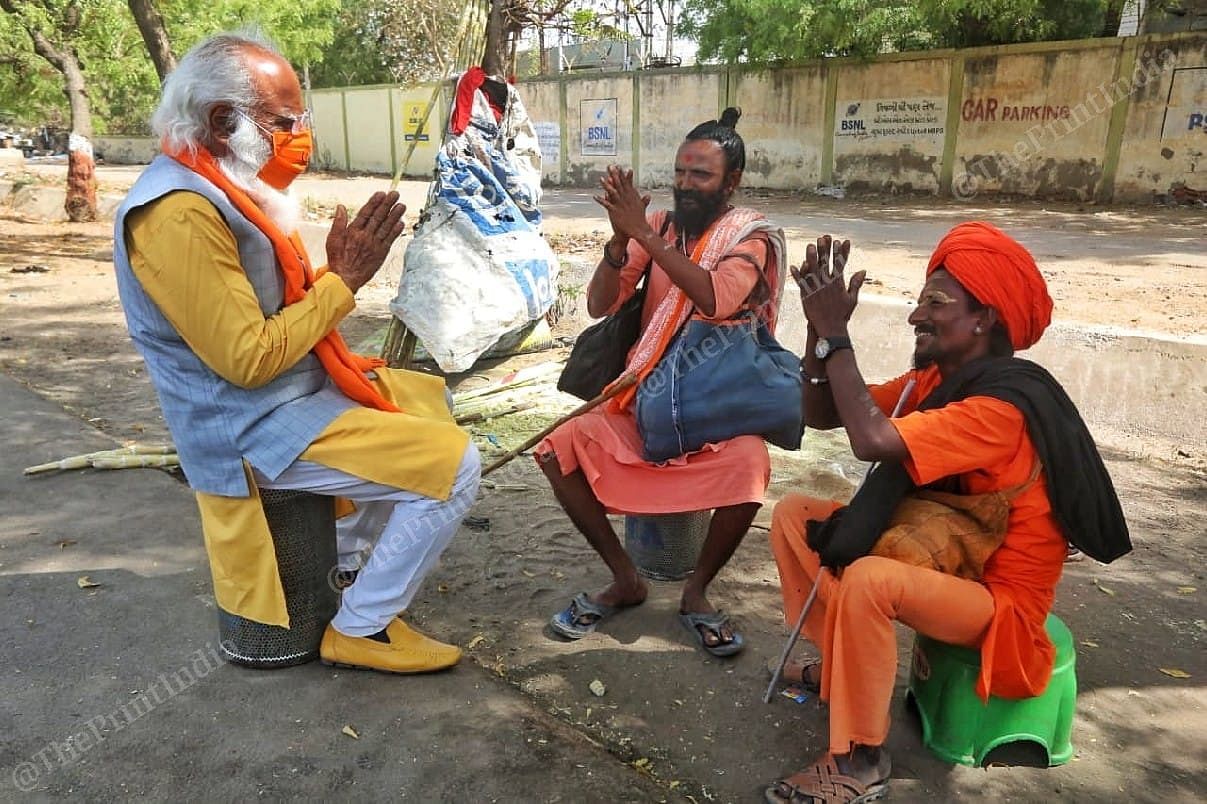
(597,122)
(598,134)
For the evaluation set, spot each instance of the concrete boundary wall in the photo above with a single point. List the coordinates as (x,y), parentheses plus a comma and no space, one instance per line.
(119,150)
(375,129)
(1102,119)
(1121,119)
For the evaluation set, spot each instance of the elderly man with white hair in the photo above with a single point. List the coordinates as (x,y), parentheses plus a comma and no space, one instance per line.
(257,386)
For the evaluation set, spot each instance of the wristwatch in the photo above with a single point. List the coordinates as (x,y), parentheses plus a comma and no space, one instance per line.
(825,347)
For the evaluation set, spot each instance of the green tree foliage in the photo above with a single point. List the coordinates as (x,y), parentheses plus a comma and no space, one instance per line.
(121,81)
(381,41)
(763,31)
(31,90)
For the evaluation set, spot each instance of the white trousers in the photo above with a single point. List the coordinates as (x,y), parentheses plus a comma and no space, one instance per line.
(394,538)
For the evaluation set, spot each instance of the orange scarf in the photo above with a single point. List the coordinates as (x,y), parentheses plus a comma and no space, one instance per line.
(347,370)
(658,335)
(675,308)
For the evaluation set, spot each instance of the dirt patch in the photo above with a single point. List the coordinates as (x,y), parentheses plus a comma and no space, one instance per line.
(696,724)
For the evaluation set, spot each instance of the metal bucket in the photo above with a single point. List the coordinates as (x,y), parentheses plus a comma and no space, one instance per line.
(665,546)
(303,534)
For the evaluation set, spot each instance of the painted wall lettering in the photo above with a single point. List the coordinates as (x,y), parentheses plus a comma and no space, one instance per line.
(993,110)
(904,120)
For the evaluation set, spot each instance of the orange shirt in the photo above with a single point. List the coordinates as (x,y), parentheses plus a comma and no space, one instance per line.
(984,443)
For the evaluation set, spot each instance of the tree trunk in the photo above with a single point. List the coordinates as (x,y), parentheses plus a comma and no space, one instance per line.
(542,59)
(494,60)
(81,169)
(154,34)
(81,181)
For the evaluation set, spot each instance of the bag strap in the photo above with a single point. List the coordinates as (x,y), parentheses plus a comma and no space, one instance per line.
(666,224)
(1014,491)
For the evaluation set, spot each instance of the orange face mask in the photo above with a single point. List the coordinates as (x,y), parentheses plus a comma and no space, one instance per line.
(290,157)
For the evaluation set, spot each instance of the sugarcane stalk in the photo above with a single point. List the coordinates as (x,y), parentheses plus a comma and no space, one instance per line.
(523,377)
(89,458)
(629,381)
(136,461)
(496,401)
(154,449)
(74,461)
(474,418)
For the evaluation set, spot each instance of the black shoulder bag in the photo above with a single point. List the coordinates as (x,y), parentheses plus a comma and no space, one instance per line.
(600,351)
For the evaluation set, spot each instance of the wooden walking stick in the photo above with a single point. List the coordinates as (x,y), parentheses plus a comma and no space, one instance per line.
(804,612)
(628,381)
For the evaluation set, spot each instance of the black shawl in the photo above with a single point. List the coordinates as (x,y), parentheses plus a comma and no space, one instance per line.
(1082,495)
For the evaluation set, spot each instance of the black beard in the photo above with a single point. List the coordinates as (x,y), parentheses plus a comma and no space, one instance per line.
(707,208)
(923,361)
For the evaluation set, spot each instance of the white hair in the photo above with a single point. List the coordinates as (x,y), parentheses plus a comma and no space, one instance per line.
(214,71)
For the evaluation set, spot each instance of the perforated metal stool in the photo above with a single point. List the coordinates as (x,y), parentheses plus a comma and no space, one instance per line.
(303,535)
(665,547)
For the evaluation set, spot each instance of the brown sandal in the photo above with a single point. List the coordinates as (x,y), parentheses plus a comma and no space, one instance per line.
(824,783)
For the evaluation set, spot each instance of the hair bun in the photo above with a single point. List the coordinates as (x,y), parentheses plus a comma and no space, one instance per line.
(730,116)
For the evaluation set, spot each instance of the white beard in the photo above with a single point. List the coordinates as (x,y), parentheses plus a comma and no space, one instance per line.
(248,154)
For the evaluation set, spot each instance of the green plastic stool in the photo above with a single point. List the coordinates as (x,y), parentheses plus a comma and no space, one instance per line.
(959,728)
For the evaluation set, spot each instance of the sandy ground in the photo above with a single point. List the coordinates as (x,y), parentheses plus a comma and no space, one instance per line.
(1141,733)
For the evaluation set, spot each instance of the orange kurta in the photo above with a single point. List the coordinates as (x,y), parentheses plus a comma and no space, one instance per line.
(606,446)
(984,442)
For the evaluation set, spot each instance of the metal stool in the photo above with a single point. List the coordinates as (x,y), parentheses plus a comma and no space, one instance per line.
(303,534)
(665,547)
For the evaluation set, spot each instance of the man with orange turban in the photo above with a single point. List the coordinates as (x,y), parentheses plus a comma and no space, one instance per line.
(974,419)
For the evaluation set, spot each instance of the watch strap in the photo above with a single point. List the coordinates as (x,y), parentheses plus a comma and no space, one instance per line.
(836,343)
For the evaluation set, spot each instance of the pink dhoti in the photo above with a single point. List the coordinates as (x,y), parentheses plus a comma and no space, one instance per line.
(607,448)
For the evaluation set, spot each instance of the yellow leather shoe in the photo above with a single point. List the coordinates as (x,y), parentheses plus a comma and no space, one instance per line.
(408,651)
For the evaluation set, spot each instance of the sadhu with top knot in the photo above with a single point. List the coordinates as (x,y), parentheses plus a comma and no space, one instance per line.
(704,259)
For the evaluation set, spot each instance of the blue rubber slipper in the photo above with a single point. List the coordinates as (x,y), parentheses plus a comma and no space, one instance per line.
(581,617)
(693,620)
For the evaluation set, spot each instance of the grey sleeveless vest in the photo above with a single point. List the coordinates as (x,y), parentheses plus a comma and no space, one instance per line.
(216,424)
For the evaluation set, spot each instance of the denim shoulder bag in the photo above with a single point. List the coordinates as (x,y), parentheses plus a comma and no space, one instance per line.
(719,380)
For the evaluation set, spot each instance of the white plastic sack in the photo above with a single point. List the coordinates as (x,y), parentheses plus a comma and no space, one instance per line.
(478,266)
(463,287)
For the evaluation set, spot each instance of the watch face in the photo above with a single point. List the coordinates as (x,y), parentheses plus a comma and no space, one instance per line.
(822,348)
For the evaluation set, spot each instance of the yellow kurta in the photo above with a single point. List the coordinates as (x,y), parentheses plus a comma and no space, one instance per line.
(186,259)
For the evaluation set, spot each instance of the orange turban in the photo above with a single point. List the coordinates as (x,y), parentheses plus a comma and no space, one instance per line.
(1000,273)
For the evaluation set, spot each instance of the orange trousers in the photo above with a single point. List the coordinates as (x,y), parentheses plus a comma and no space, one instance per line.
(851,622)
